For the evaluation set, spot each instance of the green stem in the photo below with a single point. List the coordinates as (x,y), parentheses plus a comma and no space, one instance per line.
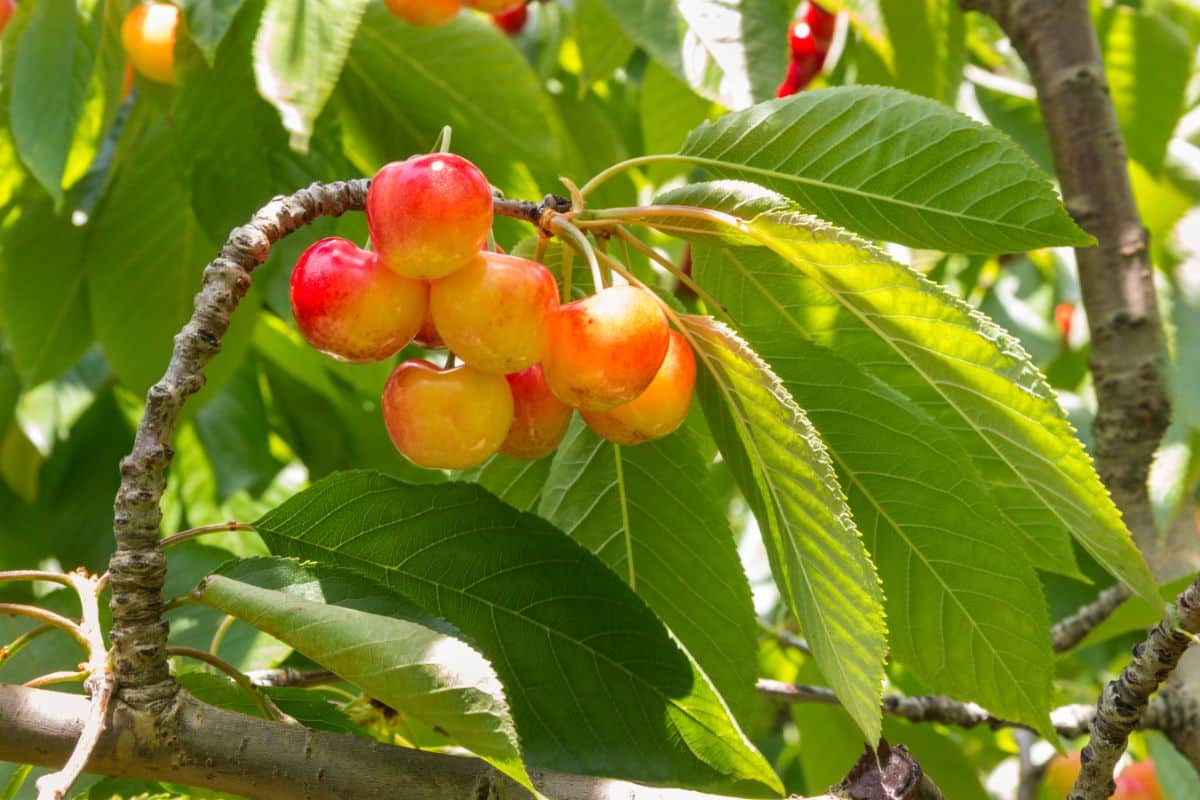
(628,164)
(183,536)
(574,237)
(265,704)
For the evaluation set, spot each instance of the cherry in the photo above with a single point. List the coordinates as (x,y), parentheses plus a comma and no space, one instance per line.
(605,349)
(493,6)
(539,418)
(428,336)
(657,411)
(821,23)
(1061,773)
(7,9)
(446,419)
(148,36)
(429,215)
(801,71)
(426,13)
(1138,781)
(511,21)
(347,304)
(493,312)
(1063,312)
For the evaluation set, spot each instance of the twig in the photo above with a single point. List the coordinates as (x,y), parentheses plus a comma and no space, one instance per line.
(34,575)
(60,676)
(264,703)
(16,645)
(1029,777)
(192,533)
(1070,631)
(46,616)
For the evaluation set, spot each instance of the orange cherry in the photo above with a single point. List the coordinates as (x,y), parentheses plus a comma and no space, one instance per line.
(426,13)
(605,349)
(540,419)
(657,411)
(1061,773)
(446,418)
(493,312)
(148,36)
(493,6)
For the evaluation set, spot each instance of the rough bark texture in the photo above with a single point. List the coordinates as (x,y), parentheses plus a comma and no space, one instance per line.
(203,746)
(1070,631)
(1055,38)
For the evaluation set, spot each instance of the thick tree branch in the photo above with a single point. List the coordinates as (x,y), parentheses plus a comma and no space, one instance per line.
(257,758)
(137,568)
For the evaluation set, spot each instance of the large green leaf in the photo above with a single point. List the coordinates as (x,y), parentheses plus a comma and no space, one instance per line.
(961,369)
(816,554)
(298,55)
(603,44)
(594,681)
(893,166)
(378,641)
(930,46)
(1147,61)
(43,303)
(403,83)
(651,514)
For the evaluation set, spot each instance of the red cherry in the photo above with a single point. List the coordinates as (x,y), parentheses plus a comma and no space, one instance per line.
(821,23)
(7,9)
(1063,312)
(511,21)
(539,418)
(801,41)
(800,73)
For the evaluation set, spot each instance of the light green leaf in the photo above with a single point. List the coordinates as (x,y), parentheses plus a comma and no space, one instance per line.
(603,44)
(930,46)
(651,514)
(207,22)
(378,641)
(298,55)
(669,111)
(595,683)
(1147,60)
(964,371)
(891,166)
(816,554)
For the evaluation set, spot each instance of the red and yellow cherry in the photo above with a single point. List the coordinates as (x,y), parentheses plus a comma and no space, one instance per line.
(1138,781)
(513,20)
(605,349)
(426,13)
(429,215)
(493,6)
(821,24)
(446,418)
(1061,773)
(657,411)
(7,9)
(349,305)
(539,418)
(148,36)
(428,336)
(493,312)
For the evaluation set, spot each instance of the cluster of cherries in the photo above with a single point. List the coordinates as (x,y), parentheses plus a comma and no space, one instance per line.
(527,361)
(508,15)
(809,39)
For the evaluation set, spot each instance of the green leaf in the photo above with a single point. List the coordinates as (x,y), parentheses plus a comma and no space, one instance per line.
(402,84)
(603,44)
(298,55)
(595,683)
(816,554)
(651,514)
(1147,60)
(377,641)
(669,111)
(961,369)
(1012,107)
(207,22)
(930,46)
(311,709)
(234,429)
(144,243)
(43,302)
(892,166)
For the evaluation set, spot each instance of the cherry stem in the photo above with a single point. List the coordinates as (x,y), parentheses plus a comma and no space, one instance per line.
(451,360)
(264,703)
(35,575)
(442,145)
(192,533)
(51,678)
(709,301)
(45,616)
(574,237)
(19,643)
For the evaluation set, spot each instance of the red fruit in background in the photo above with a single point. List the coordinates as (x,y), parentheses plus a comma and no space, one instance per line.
(148,36)
(657,411)
(539,418)
(821,24)
(426,13)
(513,20)
(7,9)
(493,6)
(1138,781)
(800,73)
(429,215)
(1063,312)
(605,349)
(347,304)
(493,313)
(446,419)
(1061,773)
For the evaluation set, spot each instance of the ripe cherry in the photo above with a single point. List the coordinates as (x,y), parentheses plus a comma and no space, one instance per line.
(428,336)
(7,9)
(605,349)
(539,418)
(1138,781)
(493,6)
(148,36)
(821,23)
(1061,773)
(446,419)
(511,21)
(429,215)
(1063,313)
(657,411)
(426,13)
(347,304)
(493,312)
